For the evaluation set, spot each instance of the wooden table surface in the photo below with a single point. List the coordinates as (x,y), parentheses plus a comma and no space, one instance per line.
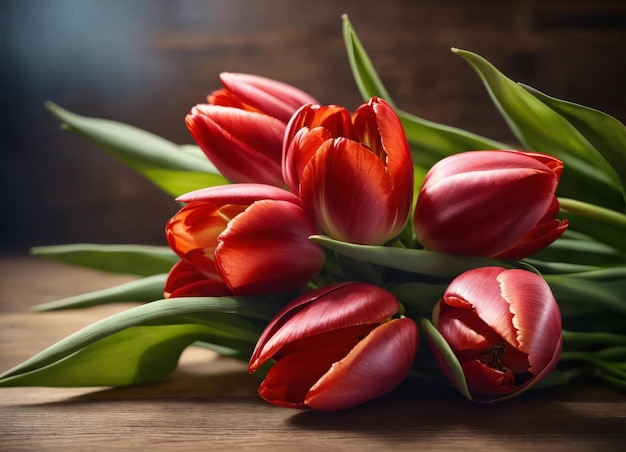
(211,404)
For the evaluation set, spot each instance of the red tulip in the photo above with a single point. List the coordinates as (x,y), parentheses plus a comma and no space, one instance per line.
(490,203)
(354,175)
(335,347)
(241,129)
(503,328)
(238,235)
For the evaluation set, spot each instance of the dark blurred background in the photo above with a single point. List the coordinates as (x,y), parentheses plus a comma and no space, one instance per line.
(146,62)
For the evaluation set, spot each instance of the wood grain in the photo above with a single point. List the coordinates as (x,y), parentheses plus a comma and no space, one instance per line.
(211,404)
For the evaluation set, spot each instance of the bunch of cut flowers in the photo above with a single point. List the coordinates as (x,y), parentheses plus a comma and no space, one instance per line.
(340,253)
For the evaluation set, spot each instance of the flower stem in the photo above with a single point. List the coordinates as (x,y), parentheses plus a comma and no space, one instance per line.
(592,211)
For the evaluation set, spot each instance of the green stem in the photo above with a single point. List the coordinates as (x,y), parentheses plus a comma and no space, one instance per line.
(592,211)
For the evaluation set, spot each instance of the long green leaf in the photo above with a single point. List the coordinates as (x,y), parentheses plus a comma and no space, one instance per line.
(367,80)
(141,260)
(139,315)
(423,262)
(430,141)
(145,289)
(137,148)
(588,176)
(605,133)
(138,355)
(177,182)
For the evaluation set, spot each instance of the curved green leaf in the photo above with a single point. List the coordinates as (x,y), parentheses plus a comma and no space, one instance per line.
(430,141)
(137,148)
(604,132)
(141,260)
(145,289)
(444,351)
(177,183)
(138,355)
(157,311)
(588,176)
(365,76)
(424,262)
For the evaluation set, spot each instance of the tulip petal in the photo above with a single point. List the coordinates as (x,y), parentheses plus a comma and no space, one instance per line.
(272,97)
(349,193)
(322,310)
(376,365)
(244,146)
(185,281)
(288,381)
(535,240)
(192,234)
(481,289)
(262,226)
(483,380)
(536,316)
(300,150)
(334,118)
(377,125)
(243,194)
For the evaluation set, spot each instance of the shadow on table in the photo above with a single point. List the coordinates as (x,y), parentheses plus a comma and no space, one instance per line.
(438,411)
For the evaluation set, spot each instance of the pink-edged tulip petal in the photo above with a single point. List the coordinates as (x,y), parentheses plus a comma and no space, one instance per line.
(244,146)
(272,97)
(482,291)
(486,381)
(539,332)
(290,259)
(376,365)
(319,311)
(243,194)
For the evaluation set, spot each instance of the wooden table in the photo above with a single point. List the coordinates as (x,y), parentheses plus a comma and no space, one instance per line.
(211,404)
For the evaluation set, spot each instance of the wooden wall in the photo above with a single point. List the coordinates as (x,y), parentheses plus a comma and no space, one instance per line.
(147,62)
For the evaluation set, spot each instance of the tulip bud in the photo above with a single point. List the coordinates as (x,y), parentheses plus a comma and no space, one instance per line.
(497,332)
(237,236)
(490,203)
(335,347)
(241,129)
(354,174)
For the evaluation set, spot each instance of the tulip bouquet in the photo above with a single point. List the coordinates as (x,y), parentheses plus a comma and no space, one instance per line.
(340,253)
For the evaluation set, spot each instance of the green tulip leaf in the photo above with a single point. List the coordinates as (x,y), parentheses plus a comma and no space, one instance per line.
(604,132)
(423,262)
(137,148)
(367,80)
(588,176)
(418,298)
(598,293)
(137,355)
(442,350)
(178,183)
(162,312)
(141,260)
(145,289)
(430,141)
